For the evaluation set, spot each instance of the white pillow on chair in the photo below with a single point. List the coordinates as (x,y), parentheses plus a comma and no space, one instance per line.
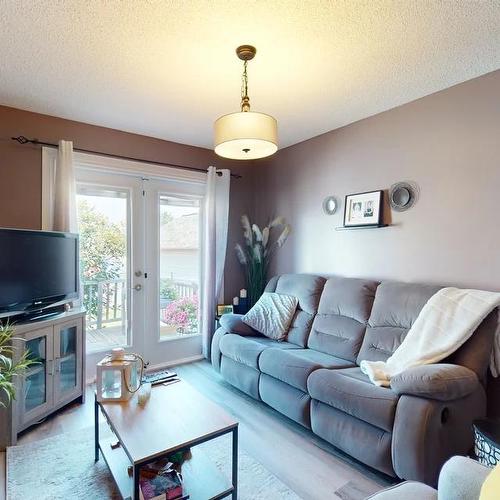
(272,315)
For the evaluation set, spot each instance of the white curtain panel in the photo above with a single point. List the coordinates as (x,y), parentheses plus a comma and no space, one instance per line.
(215,243)
(64,199)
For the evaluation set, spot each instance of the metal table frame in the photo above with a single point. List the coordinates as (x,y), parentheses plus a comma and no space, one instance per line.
(233,490)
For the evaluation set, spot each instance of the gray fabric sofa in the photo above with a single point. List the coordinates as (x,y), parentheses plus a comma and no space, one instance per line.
(407,431)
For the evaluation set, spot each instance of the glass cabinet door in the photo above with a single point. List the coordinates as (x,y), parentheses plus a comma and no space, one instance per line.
(68,380)
(35,388)
(36,384)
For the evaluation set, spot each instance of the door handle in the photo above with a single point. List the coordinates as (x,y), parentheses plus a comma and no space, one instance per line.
(138,287)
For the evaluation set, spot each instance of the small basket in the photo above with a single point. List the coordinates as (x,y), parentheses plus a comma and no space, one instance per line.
(487,451)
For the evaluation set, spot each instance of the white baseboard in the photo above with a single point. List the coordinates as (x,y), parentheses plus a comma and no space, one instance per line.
(176,362)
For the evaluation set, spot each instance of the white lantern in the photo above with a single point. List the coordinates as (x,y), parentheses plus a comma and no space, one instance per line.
(119,376)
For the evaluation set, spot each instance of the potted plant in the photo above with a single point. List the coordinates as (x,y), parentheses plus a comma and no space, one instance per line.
(258,251)
(9,369)
(183,314)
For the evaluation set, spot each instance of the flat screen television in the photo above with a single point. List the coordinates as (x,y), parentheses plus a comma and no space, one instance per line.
(38,269)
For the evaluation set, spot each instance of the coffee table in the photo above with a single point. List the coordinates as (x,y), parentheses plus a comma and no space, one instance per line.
(176,418)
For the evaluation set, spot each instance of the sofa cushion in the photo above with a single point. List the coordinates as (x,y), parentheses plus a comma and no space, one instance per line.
(294,366)
(246,350)
(395,309)
(350,390)
(272,314)
(307,288)
(344,309)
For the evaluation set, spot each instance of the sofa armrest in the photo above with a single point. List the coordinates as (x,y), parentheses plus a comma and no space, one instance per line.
(229,323)
(233,323)
(442,382)
(461,477)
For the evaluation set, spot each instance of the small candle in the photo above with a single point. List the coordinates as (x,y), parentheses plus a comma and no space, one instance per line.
(144,394)
(236,301)
(243,294)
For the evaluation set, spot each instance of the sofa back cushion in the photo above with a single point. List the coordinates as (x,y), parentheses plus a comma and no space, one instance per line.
(344,308)
(394,311)
(475,353)
(307,288)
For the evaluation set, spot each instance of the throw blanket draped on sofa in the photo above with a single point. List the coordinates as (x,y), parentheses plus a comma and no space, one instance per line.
(446,322)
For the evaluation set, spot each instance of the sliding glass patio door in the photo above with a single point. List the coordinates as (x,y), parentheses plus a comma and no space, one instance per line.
(140,260)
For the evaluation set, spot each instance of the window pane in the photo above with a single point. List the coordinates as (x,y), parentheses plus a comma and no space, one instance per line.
(179,267)
(102,223)
(35,391)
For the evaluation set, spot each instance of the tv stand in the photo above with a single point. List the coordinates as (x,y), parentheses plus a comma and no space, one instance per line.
(57,340)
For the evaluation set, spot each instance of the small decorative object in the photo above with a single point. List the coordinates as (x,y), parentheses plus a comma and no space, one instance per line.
(240,304)
(119,376)
(330,205)
(144,394)
(403,195)
(257,253)
(487,441)
(224,309)
(363,209)
(8,369)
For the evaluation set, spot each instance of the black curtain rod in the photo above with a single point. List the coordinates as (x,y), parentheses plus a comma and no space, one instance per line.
(24,140)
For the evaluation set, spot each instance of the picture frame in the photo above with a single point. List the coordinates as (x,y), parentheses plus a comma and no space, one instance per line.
(363,209)
(224,309)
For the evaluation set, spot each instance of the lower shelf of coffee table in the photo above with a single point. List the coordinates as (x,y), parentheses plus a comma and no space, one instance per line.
(202,480)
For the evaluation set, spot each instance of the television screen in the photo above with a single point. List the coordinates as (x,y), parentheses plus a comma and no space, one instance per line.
(37,268)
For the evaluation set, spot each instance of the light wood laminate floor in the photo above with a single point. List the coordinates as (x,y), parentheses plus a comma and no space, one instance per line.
(302,461)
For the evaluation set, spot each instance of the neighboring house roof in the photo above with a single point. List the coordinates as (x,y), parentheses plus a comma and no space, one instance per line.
(180,233)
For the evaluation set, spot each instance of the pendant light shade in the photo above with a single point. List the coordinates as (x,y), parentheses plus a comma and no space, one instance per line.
(245,135)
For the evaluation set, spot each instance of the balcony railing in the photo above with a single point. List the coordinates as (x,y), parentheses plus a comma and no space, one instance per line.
(106,300)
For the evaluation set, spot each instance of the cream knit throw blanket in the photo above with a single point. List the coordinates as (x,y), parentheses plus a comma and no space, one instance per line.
(446,322)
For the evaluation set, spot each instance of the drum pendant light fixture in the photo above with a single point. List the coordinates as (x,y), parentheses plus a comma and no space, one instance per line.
(245,135)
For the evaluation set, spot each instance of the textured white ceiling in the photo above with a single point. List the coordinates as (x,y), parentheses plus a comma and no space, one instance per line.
(168,68)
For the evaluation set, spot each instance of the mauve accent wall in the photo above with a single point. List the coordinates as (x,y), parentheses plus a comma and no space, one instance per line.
(21,177)
(449,143)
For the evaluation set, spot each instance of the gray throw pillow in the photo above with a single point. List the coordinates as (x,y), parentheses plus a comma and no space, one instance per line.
(272,315)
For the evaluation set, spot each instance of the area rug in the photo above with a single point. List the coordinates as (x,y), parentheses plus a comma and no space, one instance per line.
(63,467)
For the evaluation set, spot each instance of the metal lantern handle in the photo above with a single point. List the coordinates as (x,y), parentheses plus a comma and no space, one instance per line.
(137,356)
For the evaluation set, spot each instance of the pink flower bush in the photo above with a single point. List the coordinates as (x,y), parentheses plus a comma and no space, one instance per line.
(183,314)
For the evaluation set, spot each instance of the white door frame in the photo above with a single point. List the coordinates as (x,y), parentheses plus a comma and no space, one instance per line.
(179,182)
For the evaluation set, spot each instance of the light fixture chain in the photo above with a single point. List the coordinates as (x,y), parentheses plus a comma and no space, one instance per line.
(245,101)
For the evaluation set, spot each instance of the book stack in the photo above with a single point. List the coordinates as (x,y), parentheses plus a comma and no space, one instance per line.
(160,481)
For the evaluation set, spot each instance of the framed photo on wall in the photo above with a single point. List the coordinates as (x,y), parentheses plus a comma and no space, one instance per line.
(363,209)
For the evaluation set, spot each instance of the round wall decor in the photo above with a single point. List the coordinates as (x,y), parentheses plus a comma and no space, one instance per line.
(330,205)
(403,195)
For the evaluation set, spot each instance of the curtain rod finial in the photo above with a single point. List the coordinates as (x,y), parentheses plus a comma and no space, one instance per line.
(21,139)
